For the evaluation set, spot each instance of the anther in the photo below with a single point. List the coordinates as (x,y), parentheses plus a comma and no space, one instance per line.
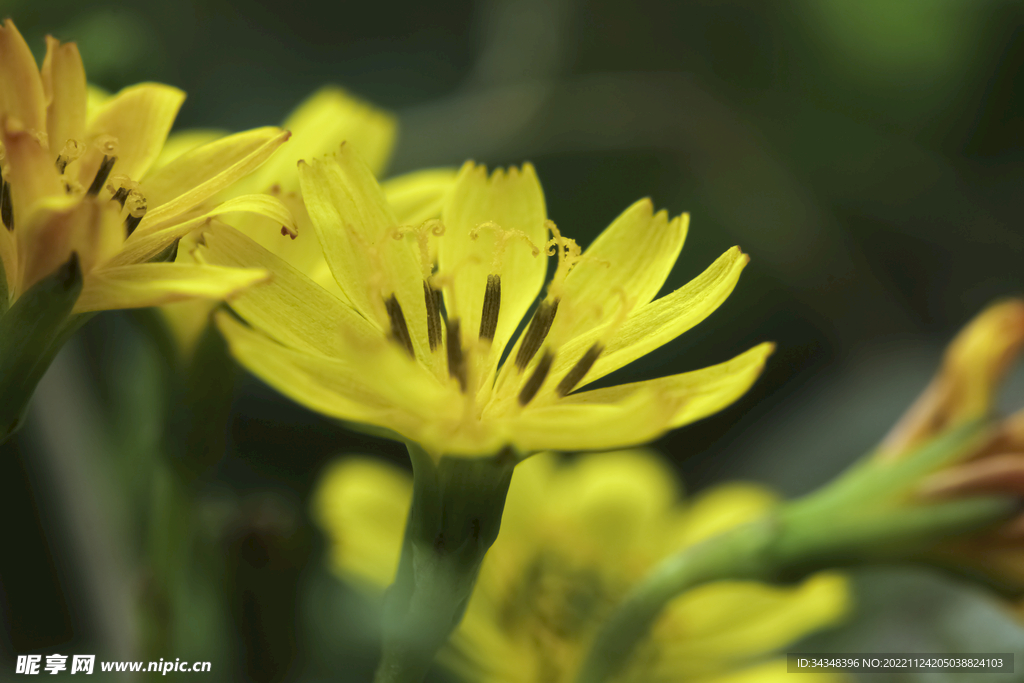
(399,330)
(136,210)
(538,330)
(492,304)
(101,176)
(6,207)
(432,298)
(580,370)
(540,373)
(456,361)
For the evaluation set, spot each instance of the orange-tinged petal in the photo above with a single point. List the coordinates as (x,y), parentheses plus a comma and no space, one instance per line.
(32,173)
(21,88)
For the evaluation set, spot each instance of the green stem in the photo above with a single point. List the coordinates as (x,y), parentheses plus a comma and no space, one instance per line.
(453,520)
(843,524)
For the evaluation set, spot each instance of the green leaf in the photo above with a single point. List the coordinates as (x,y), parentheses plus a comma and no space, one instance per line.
(31,333)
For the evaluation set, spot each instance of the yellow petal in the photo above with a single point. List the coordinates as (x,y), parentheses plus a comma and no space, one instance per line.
(698,394)
(290,308)
(637,418)
(653,325)
(493,226)
(632,257)
(61,224)
(376,384)
(614,502)
(184,141)
(140,248)
(973,367)
(362,505)
(720,509)
(420,195)
(66,90)
(320,125)
(732,619)
(356,228)
(21,88)
(152,284)
(139,118)
(199,174)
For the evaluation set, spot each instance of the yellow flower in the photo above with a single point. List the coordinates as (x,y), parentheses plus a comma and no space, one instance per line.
(965,389)
(318,125)
(78,179)
(402,345)
(575,536)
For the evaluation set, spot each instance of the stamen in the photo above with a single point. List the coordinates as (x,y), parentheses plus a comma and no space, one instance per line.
(540,373)
(6,208)
(456,361)
(536,333)
(101,176)
(432,297)
(580,370)
(399,330)
(492,304)
(120,195)
(136,210)
(73,149)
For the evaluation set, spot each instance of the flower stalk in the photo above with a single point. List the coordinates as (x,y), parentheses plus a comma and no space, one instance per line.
(453,520)
(865,516)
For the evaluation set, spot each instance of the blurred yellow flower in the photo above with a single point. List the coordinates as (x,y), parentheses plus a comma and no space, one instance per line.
(398,343)
(574,537)
(78,178)
(965,389)
(319,125)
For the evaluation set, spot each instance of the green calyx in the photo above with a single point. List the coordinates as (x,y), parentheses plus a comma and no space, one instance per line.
(32,331)
(454,519)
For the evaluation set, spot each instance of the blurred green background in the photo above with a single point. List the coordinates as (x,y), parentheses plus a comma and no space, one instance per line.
(868,154)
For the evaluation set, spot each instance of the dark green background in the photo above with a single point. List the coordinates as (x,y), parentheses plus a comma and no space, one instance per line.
(868,154)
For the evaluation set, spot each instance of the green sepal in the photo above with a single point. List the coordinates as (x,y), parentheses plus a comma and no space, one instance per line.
(31,333)
(454,519)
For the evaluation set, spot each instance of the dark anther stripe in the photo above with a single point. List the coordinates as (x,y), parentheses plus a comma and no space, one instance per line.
(130,223)
(540,373)
(101,175)
(120,195)
(536,332)
(399,330)
(6,208)
(492,304)
(456,362)
(580,370)
(431,297)
(62,163)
